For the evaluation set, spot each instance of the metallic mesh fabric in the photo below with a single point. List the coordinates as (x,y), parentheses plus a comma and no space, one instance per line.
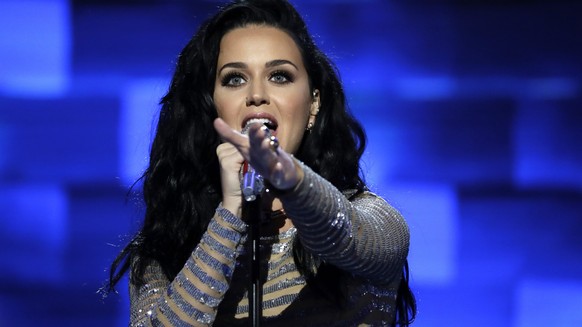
(365,237)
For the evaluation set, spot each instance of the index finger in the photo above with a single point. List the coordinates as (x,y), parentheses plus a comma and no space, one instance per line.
(229,135)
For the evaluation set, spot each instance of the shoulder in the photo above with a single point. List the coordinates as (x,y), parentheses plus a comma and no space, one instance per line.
(365,196)
(373,203)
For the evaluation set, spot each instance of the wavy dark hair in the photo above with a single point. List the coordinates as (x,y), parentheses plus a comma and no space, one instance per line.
(181,186)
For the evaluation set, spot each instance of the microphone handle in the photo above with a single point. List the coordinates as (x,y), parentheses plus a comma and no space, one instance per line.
(252,183)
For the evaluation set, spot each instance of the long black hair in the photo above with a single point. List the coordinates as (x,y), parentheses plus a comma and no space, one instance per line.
(181,186)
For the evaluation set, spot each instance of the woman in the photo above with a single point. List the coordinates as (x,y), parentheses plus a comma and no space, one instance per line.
(251,86)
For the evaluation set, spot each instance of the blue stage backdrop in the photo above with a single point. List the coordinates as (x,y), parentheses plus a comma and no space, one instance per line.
(473,111)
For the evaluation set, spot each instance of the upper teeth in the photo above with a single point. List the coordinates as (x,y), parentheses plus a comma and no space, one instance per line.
(253,121)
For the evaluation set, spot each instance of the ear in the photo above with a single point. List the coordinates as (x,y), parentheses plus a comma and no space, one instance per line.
(315,103)
(314,110)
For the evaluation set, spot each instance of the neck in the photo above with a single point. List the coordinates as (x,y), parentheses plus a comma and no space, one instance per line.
(278,222)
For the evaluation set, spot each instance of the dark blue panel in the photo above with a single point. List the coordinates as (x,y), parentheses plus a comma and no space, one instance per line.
(134,40)
(68,139)
(529,233)
(459,141)
(519,39)
(549,143)
(33,229)
(475,132)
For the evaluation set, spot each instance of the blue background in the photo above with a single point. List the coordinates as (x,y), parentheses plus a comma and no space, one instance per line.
(472,109)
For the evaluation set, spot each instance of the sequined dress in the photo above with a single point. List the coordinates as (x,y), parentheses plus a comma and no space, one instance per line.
(365,237)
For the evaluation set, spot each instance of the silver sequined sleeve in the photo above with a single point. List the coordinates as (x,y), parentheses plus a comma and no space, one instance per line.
(365,236)
(192,298)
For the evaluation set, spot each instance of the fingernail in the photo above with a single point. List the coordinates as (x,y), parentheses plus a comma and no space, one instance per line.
(267,131)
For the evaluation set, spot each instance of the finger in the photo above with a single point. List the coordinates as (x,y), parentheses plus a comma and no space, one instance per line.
(225,150)
(276,165)
(257,135)
(228,134)
(261,152)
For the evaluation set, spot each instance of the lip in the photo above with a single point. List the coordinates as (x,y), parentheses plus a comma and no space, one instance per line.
(260,115)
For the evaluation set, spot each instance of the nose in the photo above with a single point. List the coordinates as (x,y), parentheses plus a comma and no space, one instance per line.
(257,95)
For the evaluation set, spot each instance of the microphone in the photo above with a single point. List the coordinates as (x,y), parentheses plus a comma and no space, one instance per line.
(252,183)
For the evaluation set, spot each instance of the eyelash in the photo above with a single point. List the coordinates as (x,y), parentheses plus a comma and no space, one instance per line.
(228,77)
(226,80)
(288,77)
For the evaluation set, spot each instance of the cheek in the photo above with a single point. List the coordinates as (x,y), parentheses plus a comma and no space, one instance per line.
(217,104)
(297,114)
(298,105)
(225,109)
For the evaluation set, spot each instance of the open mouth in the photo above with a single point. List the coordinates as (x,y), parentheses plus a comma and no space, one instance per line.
(270,123)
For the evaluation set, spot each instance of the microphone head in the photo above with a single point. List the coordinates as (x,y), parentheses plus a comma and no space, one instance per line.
(252,184)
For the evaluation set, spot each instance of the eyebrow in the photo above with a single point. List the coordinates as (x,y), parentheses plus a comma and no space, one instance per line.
(279,62)
(270,64)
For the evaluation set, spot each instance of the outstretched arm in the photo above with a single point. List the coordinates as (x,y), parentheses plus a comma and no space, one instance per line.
(365,236)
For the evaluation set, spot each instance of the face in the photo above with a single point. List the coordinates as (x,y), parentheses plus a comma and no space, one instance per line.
(261,77)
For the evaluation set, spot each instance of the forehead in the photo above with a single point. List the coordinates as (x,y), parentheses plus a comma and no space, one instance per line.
(258,43)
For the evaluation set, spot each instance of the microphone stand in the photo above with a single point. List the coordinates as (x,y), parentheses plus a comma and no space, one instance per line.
(252,187)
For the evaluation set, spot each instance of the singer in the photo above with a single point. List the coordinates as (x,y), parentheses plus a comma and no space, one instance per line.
(251,88)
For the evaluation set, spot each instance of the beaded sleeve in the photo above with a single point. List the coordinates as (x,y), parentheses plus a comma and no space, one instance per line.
(365,236)
(192,298)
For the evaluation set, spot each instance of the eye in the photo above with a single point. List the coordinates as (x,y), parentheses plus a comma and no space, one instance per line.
(233,80)
(281,77)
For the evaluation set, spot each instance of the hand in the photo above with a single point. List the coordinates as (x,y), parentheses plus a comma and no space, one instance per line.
(277,167)
(230,161)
